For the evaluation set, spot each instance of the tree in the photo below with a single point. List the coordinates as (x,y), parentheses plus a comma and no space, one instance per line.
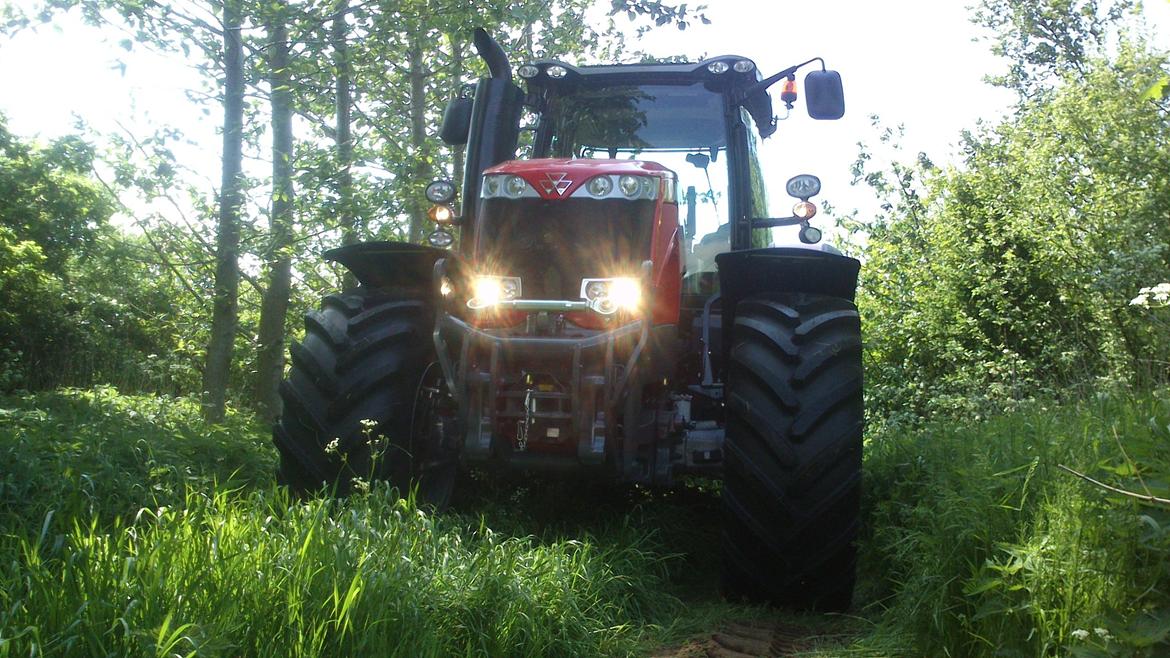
(270,358)
(225,303)
(1046,41)
(1011,275)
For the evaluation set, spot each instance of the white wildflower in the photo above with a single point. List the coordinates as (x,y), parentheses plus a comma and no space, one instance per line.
(360,485)
(332,447)
(1102,633)
(368,424)
(1153,296)
(1080,634)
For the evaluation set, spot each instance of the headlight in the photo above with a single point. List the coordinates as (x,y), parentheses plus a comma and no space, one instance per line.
(624,186)
(803,186)
(600,186)
(629,185)
(743,66)
(506,185)
(607,296)
(491,290)
(440,191)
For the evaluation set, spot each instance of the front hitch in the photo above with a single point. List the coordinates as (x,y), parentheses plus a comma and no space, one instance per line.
(596,381)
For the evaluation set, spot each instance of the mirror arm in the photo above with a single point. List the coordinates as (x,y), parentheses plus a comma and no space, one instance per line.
(773,79)
(771,222)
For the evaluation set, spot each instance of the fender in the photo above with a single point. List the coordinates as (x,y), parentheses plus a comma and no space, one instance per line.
(391,265)
(782,269)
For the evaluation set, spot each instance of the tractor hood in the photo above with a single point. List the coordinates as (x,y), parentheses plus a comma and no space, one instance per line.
(554,179)
(553,223)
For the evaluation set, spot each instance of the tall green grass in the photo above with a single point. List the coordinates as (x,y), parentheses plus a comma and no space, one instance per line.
(128,527)
(258,575)
(980,545)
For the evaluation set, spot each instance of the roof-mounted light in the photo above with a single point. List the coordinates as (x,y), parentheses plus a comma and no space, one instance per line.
(743,66)
(718,67)
(528,71)
(556,71)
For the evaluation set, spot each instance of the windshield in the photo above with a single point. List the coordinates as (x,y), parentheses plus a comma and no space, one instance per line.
(636,117)
(680,127)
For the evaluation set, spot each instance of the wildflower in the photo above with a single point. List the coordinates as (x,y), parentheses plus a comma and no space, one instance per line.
(1153,296)
(1102,633)
(332,447)
(368,424)
(1080,634)
(360,485)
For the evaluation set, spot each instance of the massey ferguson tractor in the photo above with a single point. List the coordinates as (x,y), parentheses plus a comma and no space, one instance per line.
(611,303)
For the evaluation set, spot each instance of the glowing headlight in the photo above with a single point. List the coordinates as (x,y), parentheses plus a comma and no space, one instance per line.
(606,296)
(491,290)
(718,67)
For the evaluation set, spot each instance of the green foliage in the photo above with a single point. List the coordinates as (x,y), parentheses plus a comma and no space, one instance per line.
(1011,274)
(1046,40)
(103,456)
(48,196)
(980,546)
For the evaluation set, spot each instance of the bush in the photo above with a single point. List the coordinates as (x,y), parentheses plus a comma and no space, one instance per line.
(981,545)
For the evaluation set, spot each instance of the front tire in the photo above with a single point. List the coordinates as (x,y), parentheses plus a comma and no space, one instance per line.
(792,475)
(362,400)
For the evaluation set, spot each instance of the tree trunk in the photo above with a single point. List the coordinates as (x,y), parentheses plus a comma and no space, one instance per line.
(457,152)
(225,309)
(274,309)
(346,217)
(418,137)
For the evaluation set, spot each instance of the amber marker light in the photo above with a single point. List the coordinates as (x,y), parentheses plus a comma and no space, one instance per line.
(441,214)
(788,95)
(804,210)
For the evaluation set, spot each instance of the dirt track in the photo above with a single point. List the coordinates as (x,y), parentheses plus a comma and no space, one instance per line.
(754,640)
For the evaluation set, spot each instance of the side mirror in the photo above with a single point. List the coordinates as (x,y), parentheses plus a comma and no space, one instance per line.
(824,95)
(456,121)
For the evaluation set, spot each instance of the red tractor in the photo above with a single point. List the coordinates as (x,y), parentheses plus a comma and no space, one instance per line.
(614,306)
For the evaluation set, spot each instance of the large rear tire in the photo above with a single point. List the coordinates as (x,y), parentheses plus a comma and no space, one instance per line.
(364,400)
(791,491)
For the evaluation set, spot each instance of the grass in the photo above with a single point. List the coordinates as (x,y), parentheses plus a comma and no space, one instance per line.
(979,545)
(129,527)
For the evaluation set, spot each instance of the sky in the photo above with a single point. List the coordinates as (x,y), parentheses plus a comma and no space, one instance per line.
(912,62)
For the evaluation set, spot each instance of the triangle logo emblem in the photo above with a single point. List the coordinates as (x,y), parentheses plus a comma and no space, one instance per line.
(555,183)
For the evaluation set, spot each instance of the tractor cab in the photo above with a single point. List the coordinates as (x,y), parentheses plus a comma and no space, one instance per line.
(700,121)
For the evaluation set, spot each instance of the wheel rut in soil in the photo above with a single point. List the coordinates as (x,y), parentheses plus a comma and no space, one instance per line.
(754,639)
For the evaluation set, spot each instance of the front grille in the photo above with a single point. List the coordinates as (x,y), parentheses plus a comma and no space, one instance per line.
(553,245)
